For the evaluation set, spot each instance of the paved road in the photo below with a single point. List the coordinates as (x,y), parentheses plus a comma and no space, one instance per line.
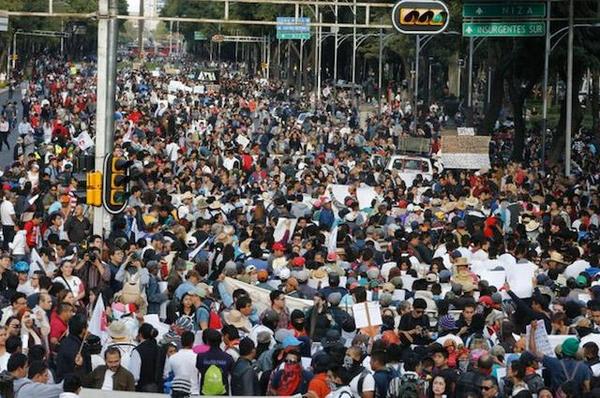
(6,156)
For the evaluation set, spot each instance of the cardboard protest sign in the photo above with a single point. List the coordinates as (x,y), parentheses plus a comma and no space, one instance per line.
(465,152)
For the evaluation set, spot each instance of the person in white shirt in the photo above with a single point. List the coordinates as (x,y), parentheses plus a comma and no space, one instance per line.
(4,131)
(340,377)
(183,363)
(363,378)
(8,217)
(3,354)
(71,387)
(18,247)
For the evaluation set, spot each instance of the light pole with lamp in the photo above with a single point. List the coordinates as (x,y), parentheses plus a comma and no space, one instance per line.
(549,47)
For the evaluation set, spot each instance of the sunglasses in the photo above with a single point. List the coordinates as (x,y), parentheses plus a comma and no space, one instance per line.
(291,361)
(486,388)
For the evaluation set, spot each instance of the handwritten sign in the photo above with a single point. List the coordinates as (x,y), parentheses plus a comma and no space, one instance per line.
(465,131)
(414,144)
(367,314)
(465,144)
(465,152)
(542,342)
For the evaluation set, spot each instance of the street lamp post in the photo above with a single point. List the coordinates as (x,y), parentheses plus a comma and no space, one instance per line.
(569,115)
(461,63)
(549,47)
(380,72)
(429,80)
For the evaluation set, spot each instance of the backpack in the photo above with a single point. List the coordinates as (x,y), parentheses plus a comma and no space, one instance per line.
(131,292)
(6,385)
(361,381)
(383,379)
(214,320)
(212,383)
(568,384)
(404,387)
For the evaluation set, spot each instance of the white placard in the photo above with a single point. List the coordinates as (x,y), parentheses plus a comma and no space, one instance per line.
(367,314)
(399,295)
(84,141)
(584,297)
(465,130)
(318,283)
(494,278)
(407,281)
(306,362)
(155,73)
(557,339)
(162,286)
(242,141)
(519,278)
(542,342)
(339,192)
(468,161)
(198,90)
(284,224)
(365,196)
(161,327)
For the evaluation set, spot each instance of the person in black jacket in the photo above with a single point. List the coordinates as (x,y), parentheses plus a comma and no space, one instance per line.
(144,359)
(70,347)
(244,381)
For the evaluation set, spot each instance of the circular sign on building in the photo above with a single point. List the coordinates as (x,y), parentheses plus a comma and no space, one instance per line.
(415,17)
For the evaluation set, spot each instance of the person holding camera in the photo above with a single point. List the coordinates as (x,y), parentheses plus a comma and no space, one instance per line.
(93,272)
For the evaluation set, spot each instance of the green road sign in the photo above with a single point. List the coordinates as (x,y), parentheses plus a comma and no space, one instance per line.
(513,10)
(199,36)
(293,36)
(500,29)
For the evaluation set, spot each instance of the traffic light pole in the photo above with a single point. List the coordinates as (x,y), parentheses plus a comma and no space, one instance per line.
(105,85)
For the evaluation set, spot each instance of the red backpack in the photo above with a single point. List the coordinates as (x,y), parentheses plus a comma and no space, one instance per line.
(214,320)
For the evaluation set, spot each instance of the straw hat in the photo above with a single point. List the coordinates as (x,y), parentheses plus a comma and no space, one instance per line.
(201,203)
(117,330)
(532,225)
(187,196)
(472,201)
(320,273)
(235,318)
(461,261)
(556,257)
(448,207)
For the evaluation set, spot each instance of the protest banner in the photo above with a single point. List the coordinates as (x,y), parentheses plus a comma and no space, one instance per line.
(260,297)
(465,152)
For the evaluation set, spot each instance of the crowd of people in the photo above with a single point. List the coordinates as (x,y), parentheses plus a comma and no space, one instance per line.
(247,258)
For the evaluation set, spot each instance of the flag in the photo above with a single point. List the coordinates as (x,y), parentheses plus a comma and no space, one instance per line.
(195,252)
(98,320)
(332,242)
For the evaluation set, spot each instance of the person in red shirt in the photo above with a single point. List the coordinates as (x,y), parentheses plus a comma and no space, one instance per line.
(319,385)
(32,229)
(59,321)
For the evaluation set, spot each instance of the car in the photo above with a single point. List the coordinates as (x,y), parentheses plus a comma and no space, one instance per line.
(409,167)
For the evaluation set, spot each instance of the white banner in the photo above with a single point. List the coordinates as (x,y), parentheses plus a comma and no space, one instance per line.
(260,297)
(365,195)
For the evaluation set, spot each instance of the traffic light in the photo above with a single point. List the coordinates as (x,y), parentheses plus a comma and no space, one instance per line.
(116,183)
(93,194)
(420,17)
